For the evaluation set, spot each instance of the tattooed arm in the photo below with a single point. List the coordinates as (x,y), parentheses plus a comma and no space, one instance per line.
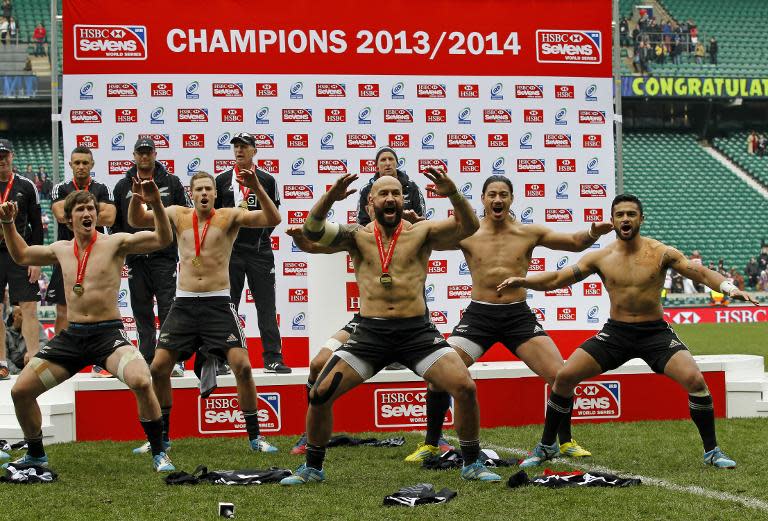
(696,272)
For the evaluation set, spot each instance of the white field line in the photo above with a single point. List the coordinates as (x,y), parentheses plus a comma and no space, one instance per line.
(750,502)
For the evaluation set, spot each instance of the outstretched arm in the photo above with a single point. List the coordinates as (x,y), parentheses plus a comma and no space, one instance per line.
(20,251)
(268,215)
(674,259)
(446,234)
(162,235)
(578,241)
(328,233)
(550,280)
(304,244)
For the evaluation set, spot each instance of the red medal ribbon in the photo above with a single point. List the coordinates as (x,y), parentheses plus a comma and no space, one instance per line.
(82,263)
(7,191)
(386,258)
(198,239)
(78,188)
(243,190)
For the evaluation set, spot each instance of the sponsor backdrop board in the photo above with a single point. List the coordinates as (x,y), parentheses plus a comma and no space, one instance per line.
(502,88)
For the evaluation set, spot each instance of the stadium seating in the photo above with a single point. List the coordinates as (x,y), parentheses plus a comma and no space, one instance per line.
(735,147)
(682,189)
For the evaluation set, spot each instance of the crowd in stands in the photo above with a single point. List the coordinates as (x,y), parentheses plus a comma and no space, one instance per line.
(10,32)
(757,144)
(665,42)
(41,179)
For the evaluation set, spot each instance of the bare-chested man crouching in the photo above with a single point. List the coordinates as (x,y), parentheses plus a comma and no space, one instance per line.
(502,246)
(390,258)
(203,319)
(91,263)
(632,269)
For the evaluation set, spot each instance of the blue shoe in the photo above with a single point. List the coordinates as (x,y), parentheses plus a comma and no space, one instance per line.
(540,454)
(717,458)
(162,463)
(304,475)
(261,444)
(478,472)
(146,447)
(26,459)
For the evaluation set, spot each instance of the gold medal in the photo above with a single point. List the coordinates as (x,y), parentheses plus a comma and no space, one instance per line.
(386,280)
(78,289)
(243,204)
(196,262)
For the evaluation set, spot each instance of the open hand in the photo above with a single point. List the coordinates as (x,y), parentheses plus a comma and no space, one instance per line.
(340,189)
(511,282)
(443,184)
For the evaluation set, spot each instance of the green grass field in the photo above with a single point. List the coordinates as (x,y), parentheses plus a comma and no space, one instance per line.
(103,481)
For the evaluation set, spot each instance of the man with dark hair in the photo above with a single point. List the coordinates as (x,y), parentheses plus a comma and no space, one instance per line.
(22,282)
(203,319)
(81,162)
(393,325)
(633,270)
(152,275)
(91,263)
(252,255)
(503,245)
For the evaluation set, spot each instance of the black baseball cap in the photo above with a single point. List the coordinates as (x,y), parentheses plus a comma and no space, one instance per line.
(6,146)
(243,137)
(144,142)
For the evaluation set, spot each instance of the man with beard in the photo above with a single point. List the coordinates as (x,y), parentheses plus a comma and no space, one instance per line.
(203,319)
(81,162)
(503,245)
(91,264)
(393,325)
(632,270)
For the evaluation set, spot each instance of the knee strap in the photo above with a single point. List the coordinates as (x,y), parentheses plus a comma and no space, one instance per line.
(43,370)
(315,398)
(128,357)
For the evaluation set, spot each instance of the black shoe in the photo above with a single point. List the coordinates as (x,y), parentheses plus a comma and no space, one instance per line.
(222,369)
(395,366)
(277,367)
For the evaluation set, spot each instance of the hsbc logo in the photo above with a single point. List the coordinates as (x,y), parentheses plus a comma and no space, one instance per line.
(297,140)
(686,317)
(294,269)
(469,166)
(565,46)
(592,289)
(227,90)
(353,296)
(232,115)
(399,141)
(592,190)
(264,140)
(122,90)
(88,140)
(193,141)
(498,140)
(469,91)
(368,90)
(398,115)
(330,90)
(169,165)
(367,166)
(535,190)
(459,291)
(530,165)
(430,90)
(220,165)
(335,115)
(557,140)
(566,314)
(558,215)
(592,141)
(161,90)
(192,115)
(110,42)
(564,91)
(497,116)
(438,266)
(592,117)
(529,91)
(438,317)
(566,166)
(332,166)
(594,400)
(404,407)
(266,90)
(297,216)
(533,116)
(436,115)
(119,167)
(297,116)
(593,215)
(461,141)
(297,191)
(274,242)
(298,295)
(425,164)
(361,140)
(270,166)
(559,292)
(80,116)
(129,323)
(220,413)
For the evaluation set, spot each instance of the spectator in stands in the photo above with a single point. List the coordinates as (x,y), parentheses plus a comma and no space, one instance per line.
(38,182)
(752,142)
(762,281)
(694,31)
(660,51)
(677,50)
(713,49)
(699,53)
(624,32)
(763,259)
(7,9)
(752,271)
(677,282)
(45,193)
(39,36)
(3,30)
(15,345)
(762,144)
(12,29)
(666,36)
(29,173)
(646,55)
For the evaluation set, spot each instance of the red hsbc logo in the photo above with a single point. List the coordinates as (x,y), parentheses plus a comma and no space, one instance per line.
(592,117)
(274,241)
(557,140)
(129,323)
(438,317)
(88,140)
(84,116)
(399,140)
(498,140)
(335,115)
(367,166)
(558,215)
(566,165)
(294,269)
(460,291)
(264,140)
(469,91)
(122,90)
(297,192)
(533,116)
(192,115)
(529,91)
(566,46)
(297,295)
(220,165)
(436,115)
(404,407)
(469,166)
(271,166)
(592,141)
(534,190)
(330,90)
(592,289)
(538,264)
(430,90)
(297,116)
(350,264)
(126,115)
(161,90)
(398,115)
(368,90)
(592,190)
(297,140)
(593,215)
(361,141)
(227,90)
(566,313)
(559,292)
(193,141)
(425,164)
(297,216)
(110,42)
(351,219)
(266,90)
(119,167)
(331,166)
(221,413)
(497,116)
(353,297)
(168,164)
(564,91)
(530,165)
(437,266)
(461,141)
(232,115)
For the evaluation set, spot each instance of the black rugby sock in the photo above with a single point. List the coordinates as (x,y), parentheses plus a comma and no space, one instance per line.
(315,456)
(703,415)
(564,430)
(470,451)
(35,446)
(154,432)
(437,405)
(252,423)
(166,412)
(558,409)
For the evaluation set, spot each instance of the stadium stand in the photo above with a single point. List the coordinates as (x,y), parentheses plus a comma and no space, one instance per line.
(682,189)
(735,147)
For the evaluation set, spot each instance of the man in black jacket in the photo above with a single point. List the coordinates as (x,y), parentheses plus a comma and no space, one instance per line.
(22,281)
(154,274)
(252,255)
